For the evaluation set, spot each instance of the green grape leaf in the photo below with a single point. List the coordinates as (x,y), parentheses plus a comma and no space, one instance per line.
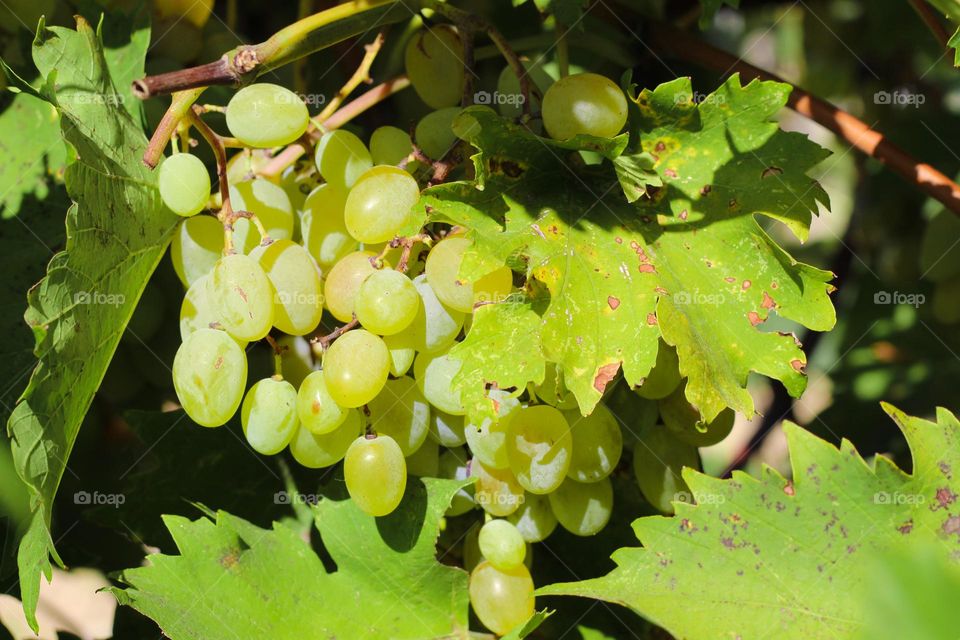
(771,557)
(710,8)
(636,174)
(233,579)
(528,627)
(954,43)
(949,8)
(117,231)
(691,264)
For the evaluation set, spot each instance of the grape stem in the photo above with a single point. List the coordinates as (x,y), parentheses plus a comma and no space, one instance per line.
(277,357)
(407,243)
(563,51)
(360,76)
(325,341)
(933,23)
(179,108)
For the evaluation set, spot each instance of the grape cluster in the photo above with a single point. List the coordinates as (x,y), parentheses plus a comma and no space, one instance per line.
(337,237)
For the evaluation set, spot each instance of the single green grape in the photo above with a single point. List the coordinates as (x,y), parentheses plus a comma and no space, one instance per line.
(209,375)
(390,145)
(534,519)
(343,282)
(316,451)
(664,377)
(324,232)
(375,473)
(246,164)
(501,599)
(342,158)
(436,326)
(298,182)
(402,352)
(196,247)
(425,461)
(434,64)
(496,490)
(296,359)
(583,508)
(434,133)
(539,447)
(184,184)
(298,292)
(387,302)
(316,408)
(401,412)
(266,115)
(243,297)
(597,444)
(658,462)
(434,375)
(197,310)
(446,429)
(356,367)
(269,415)
(488,440)
(685,424)
(453,465)
(584,103)
(510,98)
(378,206)
(502,545)
(270,203)
(196,12)
(443,268)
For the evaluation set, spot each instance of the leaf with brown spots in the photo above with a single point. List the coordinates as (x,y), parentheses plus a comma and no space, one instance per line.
(769,557)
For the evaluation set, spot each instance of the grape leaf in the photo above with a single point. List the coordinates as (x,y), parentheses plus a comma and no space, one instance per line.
(117,231)
(771,557)
(691,263)
(233,579)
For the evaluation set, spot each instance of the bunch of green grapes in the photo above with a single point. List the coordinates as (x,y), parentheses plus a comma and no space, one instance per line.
(345,268)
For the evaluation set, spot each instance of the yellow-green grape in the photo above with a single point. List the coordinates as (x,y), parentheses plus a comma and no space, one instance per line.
(196,12)
(434,375)
(434,64)
(184,184)
(316,451)
(436,326)
(447,430)
(197,310)
(434,133)
(265,115)
(501,599)
(583,508)
(316,408)
(270,203)
(425,461)
(665,375)
(343,283)
(510,99)
(342,158)
(298,292)
(243,297)
(685,424)
(269,415)
(443,269)
(534,519)
(378,206)
(401,412)
(390,145)
(209,375)
(245,165)
(584,103)
(496,490)
(298,182)
(502,545)
(402,352)
(324,232)
(356,367)
(658,460)
(597,444)
(453,465)
(387,302)
(553,391)
(539,447)
(296,359)
(196,247)
(376,474)
(488,440)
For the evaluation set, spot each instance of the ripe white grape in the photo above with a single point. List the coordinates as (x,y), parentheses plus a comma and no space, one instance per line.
(508,86)
(539,447)
(488,440)
(436,326)
(496,490)
(390,145)
(375,473)
(341,158)
(196,247)
(209,375)
(266,115)
(402,352)
(269,415)
(584,103)
(298,292)
(325,233)
(597,444)
(664,377)
(434,133)
(425,461)
(387,302)
(501,599)
(243,297)
(443,268)
(534,519)
(184,184)
(453,465)
(502,545)
(582,508)
(296,359)
(343,283)
(446,429)
(356,367)
(685,424)
(434,375)
(401,412)
(434,64)
(378,206)
(270,203)
(317,410)
(316,451)
(554,392)
(658,462)
(196,12)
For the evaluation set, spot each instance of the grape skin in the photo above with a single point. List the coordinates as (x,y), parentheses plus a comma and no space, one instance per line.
(539,447)
(242,297)
(597,444)
(665,375)
(387,302)
(270,203)
(434,63)
(316,408)
(184,184)
(501,599)
(209,375)
(356,368)
(584,103)
(443,269)
(325,233)
(502,545)
(434,133)
(658,462)
(534,519)
(376,474)
(196,247)
(298,293)
(434,375)
(266,115)
(269,415)
(343,283)
(390,145)
(401,412)
(496,490)
(378,206)
(342,158)
(316,451)
(583,509)
(436,326)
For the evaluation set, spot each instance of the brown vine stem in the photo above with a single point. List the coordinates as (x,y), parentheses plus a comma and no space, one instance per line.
(219,152)
(856,132)
(325,341)
(932,21)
